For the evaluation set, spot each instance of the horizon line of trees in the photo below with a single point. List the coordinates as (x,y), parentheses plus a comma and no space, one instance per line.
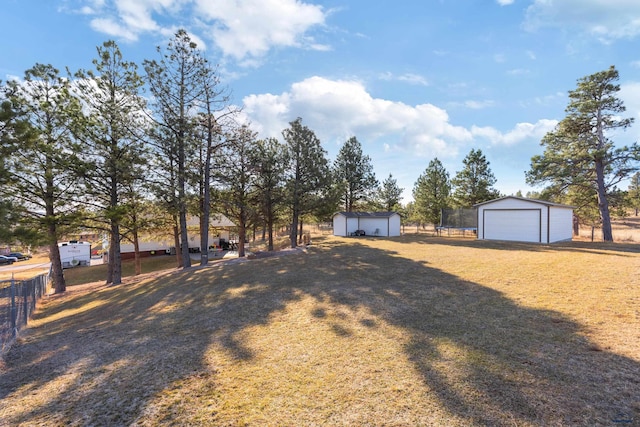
(89,150)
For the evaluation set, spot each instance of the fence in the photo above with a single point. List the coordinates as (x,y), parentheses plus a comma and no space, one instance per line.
(18,299)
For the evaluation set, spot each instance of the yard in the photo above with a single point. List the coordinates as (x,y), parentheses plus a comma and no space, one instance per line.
(413,330)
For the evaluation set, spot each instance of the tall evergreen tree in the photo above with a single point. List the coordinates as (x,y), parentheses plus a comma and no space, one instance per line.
(389,195)
(236,175)
(40,180)
(431,193)
(14,132)
(163,181)
(474,183)
(307,174)
(113,155)
(269,160)
(176,82)
(354,174)
(215,110)
(579,154)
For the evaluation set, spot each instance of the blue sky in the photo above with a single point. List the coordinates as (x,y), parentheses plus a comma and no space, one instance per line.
(412,80)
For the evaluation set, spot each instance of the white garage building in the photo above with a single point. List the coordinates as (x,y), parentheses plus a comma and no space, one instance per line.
(372,223)
(524,220)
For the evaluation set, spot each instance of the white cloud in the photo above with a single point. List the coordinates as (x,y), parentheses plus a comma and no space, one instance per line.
(242,29)
(414,79)
(604,19)
(338,109)
(520,133)
(113,28)
(505,2)
(249,28)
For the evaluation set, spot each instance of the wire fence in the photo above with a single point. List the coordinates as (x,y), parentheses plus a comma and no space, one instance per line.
(18,299)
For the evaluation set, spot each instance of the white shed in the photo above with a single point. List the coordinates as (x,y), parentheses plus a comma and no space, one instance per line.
(371,223)
(524,220)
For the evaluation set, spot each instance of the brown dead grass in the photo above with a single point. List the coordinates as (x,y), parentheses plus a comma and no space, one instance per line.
(370,331)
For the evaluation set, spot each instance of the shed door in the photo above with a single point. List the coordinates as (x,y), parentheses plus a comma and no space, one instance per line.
(521,225)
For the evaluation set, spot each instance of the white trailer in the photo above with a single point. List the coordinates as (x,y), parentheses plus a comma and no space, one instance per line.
(74,254)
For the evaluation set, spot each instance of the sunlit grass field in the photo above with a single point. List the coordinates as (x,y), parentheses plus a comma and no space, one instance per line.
(406,331)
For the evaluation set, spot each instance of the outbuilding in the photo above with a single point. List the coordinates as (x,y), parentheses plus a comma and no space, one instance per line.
(524,220)
(366,223)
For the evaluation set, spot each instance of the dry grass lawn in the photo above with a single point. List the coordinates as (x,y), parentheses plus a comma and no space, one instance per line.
(363,331)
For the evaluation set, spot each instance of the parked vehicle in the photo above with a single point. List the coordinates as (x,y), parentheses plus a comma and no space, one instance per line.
(20,256)
(5,260)
(75,253)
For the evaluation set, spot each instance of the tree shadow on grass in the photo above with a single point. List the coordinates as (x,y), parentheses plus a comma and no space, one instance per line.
(100,358)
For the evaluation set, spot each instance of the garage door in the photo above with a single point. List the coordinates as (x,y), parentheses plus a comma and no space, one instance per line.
(517,225)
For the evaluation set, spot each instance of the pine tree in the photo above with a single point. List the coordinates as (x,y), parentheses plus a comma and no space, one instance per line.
(431,193)
(112,132)
(354,174)
(41,179)
(236,175)
(307,174)
(269,160)
(474,183)
(578,154)
(389,194)
(176,82)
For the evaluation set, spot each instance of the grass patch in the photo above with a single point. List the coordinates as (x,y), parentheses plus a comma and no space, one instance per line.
(406,331)
(98,273)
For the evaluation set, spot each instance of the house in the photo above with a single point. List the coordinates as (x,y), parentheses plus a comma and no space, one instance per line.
(219,231)
(371,223)
(524,220)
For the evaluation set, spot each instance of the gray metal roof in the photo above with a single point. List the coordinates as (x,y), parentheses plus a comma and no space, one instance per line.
(541,202)
(367,214)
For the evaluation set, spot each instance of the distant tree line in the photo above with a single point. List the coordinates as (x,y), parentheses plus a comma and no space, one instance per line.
(581,165)
(127,150)
(435,190)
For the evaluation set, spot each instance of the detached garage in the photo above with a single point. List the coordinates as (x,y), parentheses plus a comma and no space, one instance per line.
(371,223)
(524,220)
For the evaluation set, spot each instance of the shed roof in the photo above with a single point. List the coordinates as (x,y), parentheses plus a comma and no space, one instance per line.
(215,220)
(367,214)
(541,202)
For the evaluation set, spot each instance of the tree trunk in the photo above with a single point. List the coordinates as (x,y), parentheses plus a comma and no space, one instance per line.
(182,197)
(184,238)
(116,259)
(270,233)
(576,226)
(176,241)
(300,232)
(136,251)
(57,275)
(242,233)
(206,201)
(110,260)
(603,203)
